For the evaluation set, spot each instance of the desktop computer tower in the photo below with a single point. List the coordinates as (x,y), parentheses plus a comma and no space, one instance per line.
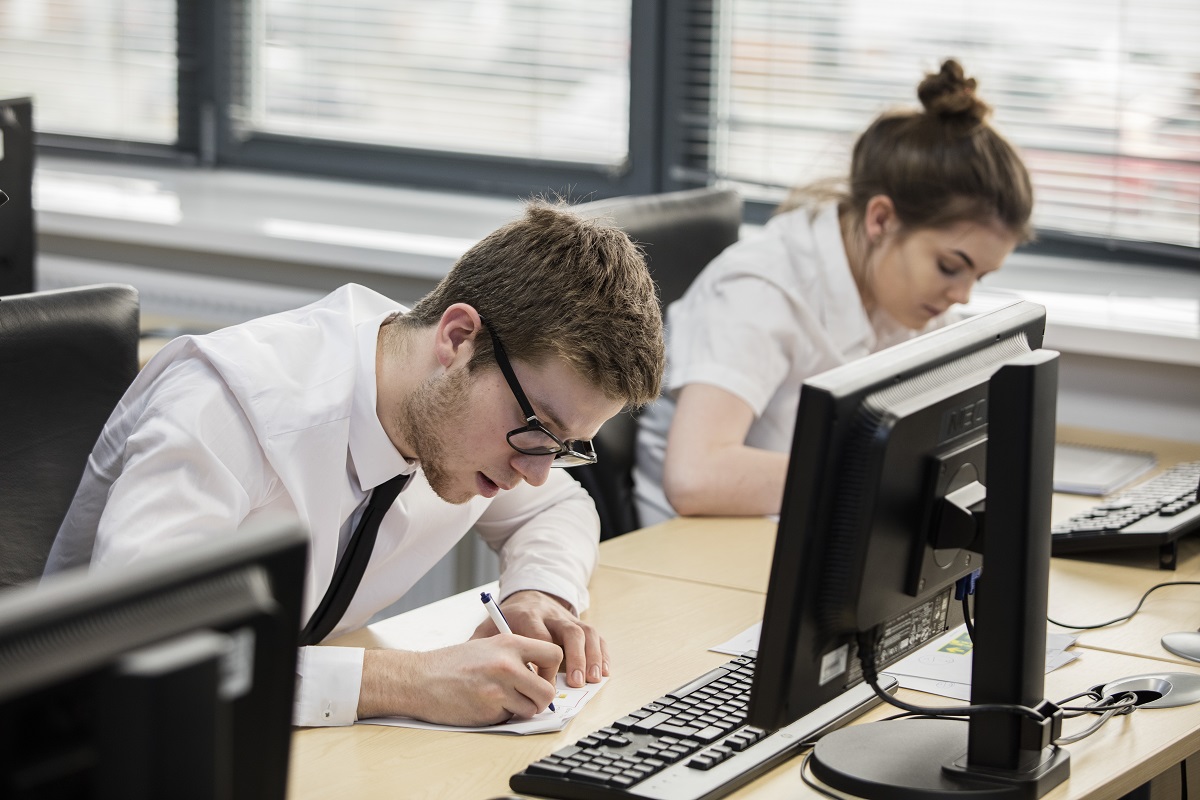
(17,238)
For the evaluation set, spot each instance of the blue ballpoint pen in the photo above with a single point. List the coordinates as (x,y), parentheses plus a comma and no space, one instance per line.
(501,623)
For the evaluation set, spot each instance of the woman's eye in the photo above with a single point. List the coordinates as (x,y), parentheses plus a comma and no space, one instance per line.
(947,269)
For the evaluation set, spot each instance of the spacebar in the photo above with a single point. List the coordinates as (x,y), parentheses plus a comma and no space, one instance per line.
(703,680)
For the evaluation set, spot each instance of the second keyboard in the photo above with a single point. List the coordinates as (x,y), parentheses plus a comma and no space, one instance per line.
(1155,512)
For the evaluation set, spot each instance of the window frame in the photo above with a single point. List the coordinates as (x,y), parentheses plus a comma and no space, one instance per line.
(206,136)
(688,123)
(668,133)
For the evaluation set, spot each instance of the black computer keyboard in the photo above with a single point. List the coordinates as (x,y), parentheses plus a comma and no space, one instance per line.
(689,744)
(1155,512)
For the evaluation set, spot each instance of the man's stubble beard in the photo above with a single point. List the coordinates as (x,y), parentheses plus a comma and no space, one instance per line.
(428,416)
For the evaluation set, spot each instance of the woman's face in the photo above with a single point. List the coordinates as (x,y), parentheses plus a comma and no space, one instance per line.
(918,276)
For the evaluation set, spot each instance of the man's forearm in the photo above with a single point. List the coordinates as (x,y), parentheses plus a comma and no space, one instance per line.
(388,686)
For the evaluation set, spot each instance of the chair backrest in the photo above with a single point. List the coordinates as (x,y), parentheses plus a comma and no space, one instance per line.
(680,233)
(66,357)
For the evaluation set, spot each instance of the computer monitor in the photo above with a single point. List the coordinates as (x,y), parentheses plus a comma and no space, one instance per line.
(910,469)
(169,678)
(18,240)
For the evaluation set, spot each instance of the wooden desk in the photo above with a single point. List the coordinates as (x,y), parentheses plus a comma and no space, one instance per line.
(663,595)
(734,552)
(1096,587)
(659,630)
(1120,757)
(1094,590)
(1084,589)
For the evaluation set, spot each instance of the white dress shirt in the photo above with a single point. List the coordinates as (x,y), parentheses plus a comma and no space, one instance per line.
(277,416)
(772,310)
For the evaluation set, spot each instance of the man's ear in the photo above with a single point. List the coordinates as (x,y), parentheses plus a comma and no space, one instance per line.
(454,338)
(880,218)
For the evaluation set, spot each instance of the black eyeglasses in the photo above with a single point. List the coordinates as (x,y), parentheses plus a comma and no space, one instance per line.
(534,439)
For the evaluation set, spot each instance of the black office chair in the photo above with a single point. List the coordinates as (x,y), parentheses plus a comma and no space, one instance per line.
(66,357)
(680,233)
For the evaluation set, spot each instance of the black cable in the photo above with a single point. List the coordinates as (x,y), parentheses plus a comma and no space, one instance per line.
(1076,711)
(1125,703)
(1127,616)
(866,657)
(966,609)
(810,783)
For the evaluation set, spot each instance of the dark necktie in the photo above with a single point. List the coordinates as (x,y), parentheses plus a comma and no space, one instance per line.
(353,563)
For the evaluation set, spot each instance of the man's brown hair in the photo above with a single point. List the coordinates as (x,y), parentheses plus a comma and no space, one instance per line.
(555,285)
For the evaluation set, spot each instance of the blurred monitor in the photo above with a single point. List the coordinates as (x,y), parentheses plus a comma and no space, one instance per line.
(169,678)
(899,463)
(17,239)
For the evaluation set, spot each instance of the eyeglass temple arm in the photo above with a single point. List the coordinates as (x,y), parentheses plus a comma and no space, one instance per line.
(511,377)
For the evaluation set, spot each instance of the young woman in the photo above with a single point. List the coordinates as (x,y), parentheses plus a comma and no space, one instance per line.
(935,200)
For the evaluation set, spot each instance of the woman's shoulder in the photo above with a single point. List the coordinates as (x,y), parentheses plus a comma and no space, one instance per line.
(787,244)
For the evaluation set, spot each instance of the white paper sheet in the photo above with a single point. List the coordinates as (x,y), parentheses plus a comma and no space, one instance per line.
(567,703)
(941,667)
(746,640)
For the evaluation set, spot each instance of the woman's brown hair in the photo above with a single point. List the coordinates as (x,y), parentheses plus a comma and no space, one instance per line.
(941,165)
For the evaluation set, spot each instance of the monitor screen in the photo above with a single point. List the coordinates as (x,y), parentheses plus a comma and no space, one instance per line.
(887,492)
(172,677)
(18,238)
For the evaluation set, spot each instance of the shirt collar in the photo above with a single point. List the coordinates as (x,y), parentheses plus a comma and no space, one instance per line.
(846,321)
(372,454)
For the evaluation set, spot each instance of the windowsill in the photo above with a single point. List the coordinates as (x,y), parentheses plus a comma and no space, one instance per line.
(1104,308)
(301,220)
(346,230)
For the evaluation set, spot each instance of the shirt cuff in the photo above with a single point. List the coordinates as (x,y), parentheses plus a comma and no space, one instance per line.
(575,596)
(328,680)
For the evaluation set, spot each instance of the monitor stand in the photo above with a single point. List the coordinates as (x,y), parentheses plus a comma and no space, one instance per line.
(997,754)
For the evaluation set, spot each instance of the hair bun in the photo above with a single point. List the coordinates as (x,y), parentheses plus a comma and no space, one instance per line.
(949,95)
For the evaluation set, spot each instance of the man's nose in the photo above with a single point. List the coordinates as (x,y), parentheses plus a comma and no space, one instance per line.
(534,469)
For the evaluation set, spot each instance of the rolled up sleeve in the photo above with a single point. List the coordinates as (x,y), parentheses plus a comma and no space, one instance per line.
(547,537)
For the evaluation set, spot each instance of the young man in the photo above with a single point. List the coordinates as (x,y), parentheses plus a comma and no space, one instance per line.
(540,333)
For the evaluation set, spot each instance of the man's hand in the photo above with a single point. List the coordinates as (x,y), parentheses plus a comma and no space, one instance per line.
(543,616)
(480,682)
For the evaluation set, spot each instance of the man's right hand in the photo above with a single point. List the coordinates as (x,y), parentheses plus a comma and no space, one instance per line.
(479,682)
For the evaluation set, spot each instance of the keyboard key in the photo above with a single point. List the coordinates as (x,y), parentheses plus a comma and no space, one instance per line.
(589,775)
(651,722)
(709,734)
(542,768)
(702,681)
(737,742)
(676,730)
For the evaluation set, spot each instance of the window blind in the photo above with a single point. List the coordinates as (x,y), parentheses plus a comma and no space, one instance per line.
(538,79)
(103,68)
(1102,97)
